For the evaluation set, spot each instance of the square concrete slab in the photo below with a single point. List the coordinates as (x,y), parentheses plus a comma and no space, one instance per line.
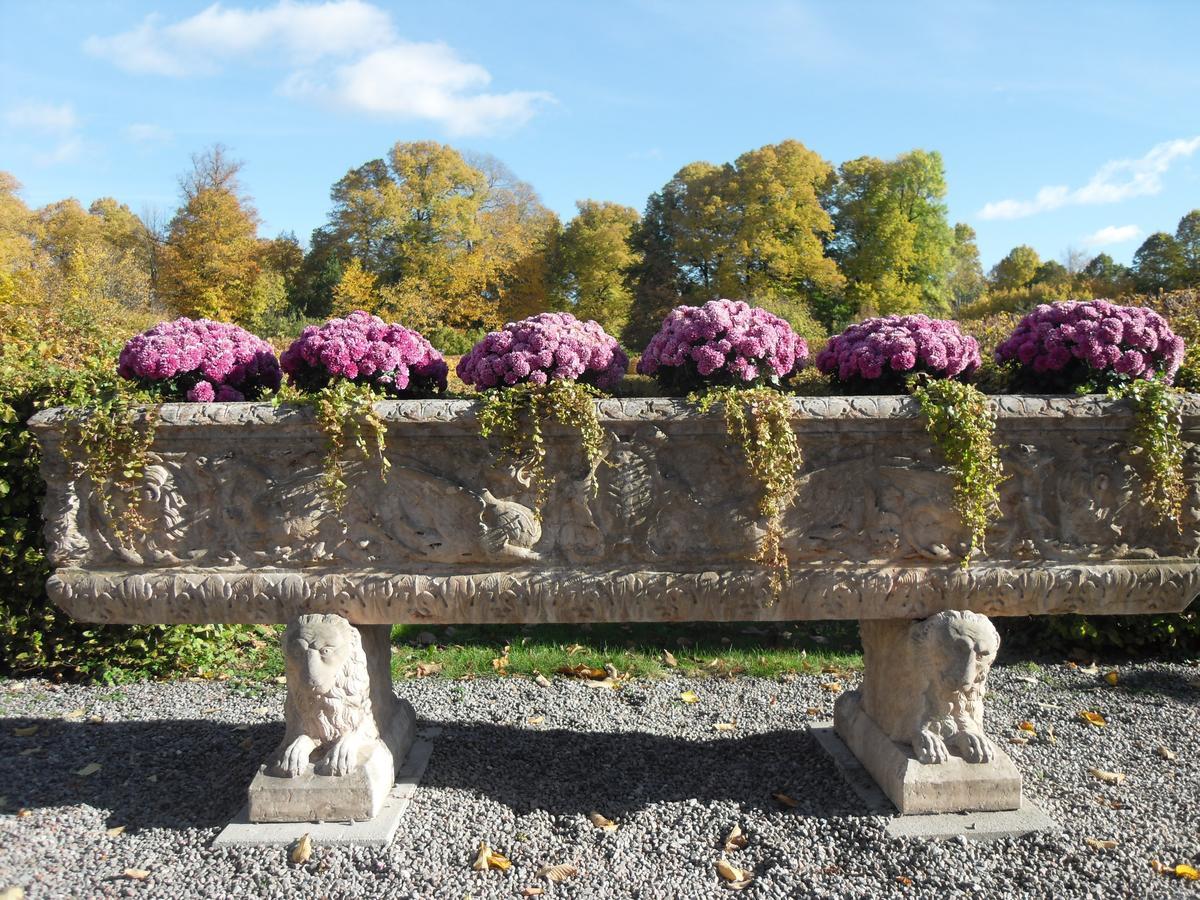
(982,826)
(374,832)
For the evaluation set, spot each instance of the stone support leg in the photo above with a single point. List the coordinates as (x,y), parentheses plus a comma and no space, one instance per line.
(347,733)
(917,723)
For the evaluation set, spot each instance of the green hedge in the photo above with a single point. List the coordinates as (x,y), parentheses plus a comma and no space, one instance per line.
(34,635)
(1126,636)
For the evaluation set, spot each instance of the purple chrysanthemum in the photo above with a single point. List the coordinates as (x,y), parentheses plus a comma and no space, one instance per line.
(553,345)
(1060,346)
(722,342)
(201,361)
(877,354)
(365,349)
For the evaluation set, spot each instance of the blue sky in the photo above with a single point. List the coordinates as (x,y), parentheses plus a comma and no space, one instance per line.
(1061,124)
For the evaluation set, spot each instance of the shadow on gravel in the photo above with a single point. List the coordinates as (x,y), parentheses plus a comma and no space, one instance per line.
(202,769)
(568,772)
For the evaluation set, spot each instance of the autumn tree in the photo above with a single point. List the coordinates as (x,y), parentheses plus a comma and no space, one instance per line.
(1158,265)
(356,289)
(592,262)
(965,282)
(211,260)
(1104,277)
(891,237)
(1016,270)
(752,229)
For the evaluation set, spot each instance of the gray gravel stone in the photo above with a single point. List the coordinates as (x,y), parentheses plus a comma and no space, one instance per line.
(176,759)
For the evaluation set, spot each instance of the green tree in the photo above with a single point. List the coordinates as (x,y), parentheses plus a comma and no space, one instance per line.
(1016,271)
(1158,265)
(592,263)
(965,281)
(1104,277)
(211,260)
(891,237)
(1187,236)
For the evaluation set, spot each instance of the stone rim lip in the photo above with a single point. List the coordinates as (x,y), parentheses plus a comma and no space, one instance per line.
(639,409)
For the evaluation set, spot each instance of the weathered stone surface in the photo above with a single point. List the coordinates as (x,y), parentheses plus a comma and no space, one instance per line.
(346,733)
(952,786)
(241,532)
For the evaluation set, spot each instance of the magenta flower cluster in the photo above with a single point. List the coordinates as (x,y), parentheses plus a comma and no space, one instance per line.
(553,345)
(888,348)
(365,349)
(1073,342)
(722,342)
(201,361)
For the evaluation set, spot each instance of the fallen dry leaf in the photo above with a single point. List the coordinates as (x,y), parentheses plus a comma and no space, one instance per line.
(301,850)
(116,831)
(689,697)
(536,720)
(137,874)
(24,813)
(89,769)
(1093,718)
(1049,737)
(77,713)
(1166,753)
(724,726)
(532,891)
(832,686)
(1112,677)
(786,800)
(669,659)
(500,663)
(603,683)
(28,731)
(582,671)
(1019,739)
(1100,844)
(904,880)
(734,877)
(1108,777)
(487,858)
(425,669)
(1028,726)
(1091,669)
(541,680)
(1183,870)
(12,893)
(575,648)
(557,874)
(153,779)
(29,751)
(601,821)
(280,679)
(735,840)
(813,711)
(1159,868)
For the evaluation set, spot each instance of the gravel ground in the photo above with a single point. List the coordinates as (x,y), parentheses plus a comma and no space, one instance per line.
(176,758)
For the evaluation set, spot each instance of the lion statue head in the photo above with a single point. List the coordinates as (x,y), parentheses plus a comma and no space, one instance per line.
(327,676)
(960,648)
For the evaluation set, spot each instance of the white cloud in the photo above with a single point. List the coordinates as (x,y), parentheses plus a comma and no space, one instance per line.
(1112,234)
(1113,182)
(45,118)
(343,53)
(148,133)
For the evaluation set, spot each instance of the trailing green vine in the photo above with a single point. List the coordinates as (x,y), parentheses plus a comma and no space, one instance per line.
(108,442)
(963,426)
(759,420)
(1158,439)
(516,414)
(346,415)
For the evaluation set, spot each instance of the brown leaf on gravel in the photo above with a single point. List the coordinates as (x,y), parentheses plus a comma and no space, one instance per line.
(735,840)
(689,697)
(541,680)
(813,711)
(1112,677)
(301,850)
(557,874)
(1019,739)
(1028,726)
(12,893)
(734,877)
(89,769)
(536,720)
(116,831)
(786,800)
(1107,777)
(1100,844)
(832,686)
(487,858)
(1166,753)
(77,713)
(669,659)
(601,821)
(137,874)
(532,891)
(1183,870)
(1093,718)
(28,731)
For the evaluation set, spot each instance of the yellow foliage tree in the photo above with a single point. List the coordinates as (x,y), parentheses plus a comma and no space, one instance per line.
(357,289)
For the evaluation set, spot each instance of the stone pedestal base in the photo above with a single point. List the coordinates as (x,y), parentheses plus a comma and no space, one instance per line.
(310,797)
(915,787)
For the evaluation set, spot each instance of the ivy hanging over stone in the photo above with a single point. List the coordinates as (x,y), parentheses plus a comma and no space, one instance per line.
(758,420)
(1158,441)
(962,425)
(516,415)
(347,417)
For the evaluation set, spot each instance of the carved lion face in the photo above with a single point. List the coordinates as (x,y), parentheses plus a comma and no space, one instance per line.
(964,647)
(317,648)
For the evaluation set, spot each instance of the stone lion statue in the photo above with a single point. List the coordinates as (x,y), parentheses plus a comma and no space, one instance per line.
(928,689)
(328,707)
